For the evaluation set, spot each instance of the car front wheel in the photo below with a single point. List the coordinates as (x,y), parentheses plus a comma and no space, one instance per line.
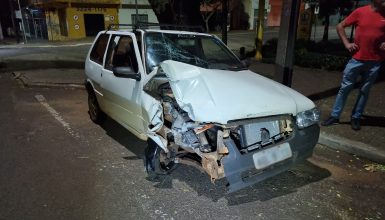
(158,162)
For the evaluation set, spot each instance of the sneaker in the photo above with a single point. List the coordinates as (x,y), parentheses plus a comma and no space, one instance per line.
(355,123)
(330,121)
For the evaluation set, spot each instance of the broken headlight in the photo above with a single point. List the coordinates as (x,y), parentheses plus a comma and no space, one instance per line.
(306,118)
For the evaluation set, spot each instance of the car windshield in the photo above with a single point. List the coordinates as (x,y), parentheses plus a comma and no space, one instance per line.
(199,50)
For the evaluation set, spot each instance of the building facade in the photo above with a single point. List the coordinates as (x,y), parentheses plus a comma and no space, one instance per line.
(272,12)
(129,10)
(74,19)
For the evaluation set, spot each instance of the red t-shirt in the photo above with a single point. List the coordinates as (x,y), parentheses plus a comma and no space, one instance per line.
(370,33)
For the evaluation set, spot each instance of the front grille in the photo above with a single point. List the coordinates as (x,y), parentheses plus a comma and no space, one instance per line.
(255,134)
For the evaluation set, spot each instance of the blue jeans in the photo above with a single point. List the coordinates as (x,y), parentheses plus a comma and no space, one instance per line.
(354,68)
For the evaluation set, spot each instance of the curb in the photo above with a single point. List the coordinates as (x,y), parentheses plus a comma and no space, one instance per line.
(22,46)
(25,82)
(353,147)
(15,64)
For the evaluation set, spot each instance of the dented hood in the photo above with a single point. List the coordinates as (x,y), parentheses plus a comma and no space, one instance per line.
(210,95)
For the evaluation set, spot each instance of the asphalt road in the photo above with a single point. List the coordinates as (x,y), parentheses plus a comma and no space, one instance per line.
(56,164)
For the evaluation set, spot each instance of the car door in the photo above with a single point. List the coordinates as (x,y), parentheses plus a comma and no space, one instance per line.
(122,95)
(94,65)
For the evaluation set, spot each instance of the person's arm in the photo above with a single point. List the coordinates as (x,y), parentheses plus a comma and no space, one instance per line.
(351,47)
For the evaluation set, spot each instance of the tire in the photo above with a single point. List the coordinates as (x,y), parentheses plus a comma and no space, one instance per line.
(157,161)
(96,114)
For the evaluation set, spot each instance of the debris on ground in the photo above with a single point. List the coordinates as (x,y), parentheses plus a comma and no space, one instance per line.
(374,167)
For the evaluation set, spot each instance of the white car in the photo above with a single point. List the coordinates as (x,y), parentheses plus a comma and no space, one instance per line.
(189,96)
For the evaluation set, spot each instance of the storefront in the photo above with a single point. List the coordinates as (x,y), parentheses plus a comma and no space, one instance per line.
(74,20)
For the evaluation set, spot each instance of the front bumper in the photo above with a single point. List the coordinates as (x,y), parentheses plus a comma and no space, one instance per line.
(241,172)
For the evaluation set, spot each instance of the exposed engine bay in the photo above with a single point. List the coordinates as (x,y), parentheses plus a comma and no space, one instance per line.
(206,140)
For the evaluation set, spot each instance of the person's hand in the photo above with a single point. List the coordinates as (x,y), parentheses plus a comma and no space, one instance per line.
(382,46)
(351,47)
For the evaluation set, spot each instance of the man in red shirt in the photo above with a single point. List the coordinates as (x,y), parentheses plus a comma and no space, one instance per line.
(368,51)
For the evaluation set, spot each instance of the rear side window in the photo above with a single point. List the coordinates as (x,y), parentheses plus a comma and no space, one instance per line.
(99,48)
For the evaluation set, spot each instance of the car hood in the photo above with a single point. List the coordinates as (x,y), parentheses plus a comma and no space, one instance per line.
(220,96)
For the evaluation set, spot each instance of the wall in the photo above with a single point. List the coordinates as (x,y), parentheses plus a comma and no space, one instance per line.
(53,26)
(128,8)
(274,17)
(125,15)
(75,19)
(250,11)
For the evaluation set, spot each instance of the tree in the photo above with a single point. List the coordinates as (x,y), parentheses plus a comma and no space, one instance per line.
(208,8)
(327,8)
(164,10)
(177,11)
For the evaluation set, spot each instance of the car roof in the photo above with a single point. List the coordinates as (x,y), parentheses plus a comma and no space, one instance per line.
(157,31)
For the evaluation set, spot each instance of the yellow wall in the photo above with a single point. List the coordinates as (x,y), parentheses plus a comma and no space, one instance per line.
(90,1)
(75,19)
(41,2)
(53,26)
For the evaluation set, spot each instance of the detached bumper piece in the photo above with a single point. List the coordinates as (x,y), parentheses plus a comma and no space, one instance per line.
(242,170)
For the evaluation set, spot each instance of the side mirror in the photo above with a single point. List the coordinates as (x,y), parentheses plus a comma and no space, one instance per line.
(126,72)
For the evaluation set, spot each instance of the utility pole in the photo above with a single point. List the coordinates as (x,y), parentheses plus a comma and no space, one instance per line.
(22,22)
(16,29)
(287,36)
(261,21)
(1,32)
(225,11)
(136,12)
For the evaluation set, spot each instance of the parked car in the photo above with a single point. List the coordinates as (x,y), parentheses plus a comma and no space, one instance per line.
(189,96)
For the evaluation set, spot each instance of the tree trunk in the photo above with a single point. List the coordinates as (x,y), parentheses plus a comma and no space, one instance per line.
(207,25)
(326,28)
(206,19)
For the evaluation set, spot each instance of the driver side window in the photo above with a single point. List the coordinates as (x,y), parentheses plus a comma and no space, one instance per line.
(121,53)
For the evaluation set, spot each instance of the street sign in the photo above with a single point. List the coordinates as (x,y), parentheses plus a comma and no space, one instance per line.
(18,14)
(316,10)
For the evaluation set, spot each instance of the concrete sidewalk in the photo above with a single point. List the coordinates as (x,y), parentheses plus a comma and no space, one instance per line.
(11,43)
(322,86)
(319,85)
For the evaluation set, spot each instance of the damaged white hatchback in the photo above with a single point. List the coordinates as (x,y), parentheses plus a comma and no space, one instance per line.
(189,96)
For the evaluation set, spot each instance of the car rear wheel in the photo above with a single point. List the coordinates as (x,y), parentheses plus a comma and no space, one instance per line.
(96,114)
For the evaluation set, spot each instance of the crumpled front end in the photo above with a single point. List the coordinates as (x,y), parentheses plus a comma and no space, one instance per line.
(276,145)
(244,150)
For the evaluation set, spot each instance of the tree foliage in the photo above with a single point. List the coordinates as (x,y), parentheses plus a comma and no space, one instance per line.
(191,12)
(177,11)
(328,8)
(208,8)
